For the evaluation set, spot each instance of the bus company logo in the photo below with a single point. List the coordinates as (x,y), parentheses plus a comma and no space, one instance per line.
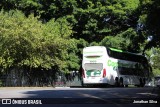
(6,101)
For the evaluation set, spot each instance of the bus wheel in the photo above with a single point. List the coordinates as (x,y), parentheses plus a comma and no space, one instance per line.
(121,82)
(125,85)
(82,84)
(116,82)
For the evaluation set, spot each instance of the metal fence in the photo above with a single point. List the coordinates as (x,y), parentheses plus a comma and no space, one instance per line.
(20,78)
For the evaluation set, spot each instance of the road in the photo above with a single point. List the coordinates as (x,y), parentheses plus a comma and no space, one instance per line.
(87,96)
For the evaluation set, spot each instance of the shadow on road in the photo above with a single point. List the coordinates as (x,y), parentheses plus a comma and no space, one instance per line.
(92,97)
(116,96)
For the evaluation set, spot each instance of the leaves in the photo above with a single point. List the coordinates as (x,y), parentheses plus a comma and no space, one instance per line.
(28,42)
(52,33)
(153,56)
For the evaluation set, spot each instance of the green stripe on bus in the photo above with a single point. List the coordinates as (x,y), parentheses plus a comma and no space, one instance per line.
(113,49)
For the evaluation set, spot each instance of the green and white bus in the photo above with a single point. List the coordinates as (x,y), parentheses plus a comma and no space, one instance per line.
(102,66)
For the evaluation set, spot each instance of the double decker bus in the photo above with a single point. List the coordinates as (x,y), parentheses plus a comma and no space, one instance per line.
(103,66)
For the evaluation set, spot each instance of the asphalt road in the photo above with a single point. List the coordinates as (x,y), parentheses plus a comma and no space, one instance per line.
(85,97)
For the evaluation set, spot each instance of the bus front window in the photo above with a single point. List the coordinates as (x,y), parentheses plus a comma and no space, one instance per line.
(93,69)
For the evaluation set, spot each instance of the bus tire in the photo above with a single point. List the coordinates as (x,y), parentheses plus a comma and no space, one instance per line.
(82,84)
(121,82)
(116,82)
(125,85)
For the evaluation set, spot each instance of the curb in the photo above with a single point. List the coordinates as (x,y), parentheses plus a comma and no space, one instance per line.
(26,88)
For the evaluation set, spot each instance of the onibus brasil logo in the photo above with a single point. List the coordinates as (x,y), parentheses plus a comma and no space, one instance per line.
(20,101)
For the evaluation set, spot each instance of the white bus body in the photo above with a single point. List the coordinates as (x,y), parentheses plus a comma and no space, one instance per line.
(94,65)
(99,67)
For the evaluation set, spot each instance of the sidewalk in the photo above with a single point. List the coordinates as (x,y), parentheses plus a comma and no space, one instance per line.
(12,88)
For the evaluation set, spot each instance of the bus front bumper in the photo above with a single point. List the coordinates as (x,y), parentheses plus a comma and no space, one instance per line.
(94,80)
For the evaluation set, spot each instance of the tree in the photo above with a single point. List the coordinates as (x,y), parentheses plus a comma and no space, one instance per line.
(50,34)
(91,20)
(153,56)
(127,40)
(28,44)
(149,17)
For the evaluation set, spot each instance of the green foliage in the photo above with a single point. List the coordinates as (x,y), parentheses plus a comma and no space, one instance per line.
(28,42)
(156,71)
(127,40)
(88,18)
(149,16)
(81,43)
(113,42)
(101,18)
(154,59)
(51,34)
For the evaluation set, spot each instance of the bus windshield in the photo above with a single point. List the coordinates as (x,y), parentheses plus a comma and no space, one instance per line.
(93,66)
(93,69)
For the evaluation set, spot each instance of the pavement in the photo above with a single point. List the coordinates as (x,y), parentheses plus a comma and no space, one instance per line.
(8,88)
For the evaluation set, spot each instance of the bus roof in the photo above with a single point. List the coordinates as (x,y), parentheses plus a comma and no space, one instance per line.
(119,54)
(94,50)
(118,50)
(94,47)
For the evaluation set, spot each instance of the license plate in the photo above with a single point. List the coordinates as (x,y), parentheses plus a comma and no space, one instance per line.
(92,77)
